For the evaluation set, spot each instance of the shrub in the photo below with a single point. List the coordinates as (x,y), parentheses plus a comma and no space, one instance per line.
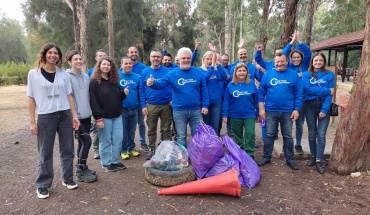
(14,74)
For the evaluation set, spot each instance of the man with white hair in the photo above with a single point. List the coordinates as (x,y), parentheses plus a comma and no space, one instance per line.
(189,94)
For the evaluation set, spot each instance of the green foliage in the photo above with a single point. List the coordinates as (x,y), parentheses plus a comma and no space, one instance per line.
(13,74)
(12,47)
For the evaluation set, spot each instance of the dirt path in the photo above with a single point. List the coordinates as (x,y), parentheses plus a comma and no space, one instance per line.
(280,191)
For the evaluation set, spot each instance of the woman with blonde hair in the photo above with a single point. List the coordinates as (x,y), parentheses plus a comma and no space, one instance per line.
(215,75)
(241,103)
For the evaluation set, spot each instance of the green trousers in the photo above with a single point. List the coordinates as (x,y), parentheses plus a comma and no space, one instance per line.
(156,112)
(244,133)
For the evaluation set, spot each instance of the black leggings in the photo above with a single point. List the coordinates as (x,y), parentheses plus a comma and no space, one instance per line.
(84,141)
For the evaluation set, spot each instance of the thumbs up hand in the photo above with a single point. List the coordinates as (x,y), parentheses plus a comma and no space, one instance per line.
(150,81)
(126,90)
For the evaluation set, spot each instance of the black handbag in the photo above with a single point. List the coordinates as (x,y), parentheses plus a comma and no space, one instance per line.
(334,109)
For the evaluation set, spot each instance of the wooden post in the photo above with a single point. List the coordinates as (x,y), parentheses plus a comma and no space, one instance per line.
(345,63)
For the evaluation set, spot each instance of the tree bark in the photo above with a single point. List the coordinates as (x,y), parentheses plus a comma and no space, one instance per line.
(110,28)
(83,35)
(310,11)
(351,148)
(77,24)
(289,25)
(264,23)
(227,25)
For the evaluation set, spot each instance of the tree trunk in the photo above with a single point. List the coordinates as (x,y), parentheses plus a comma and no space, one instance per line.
(289,25)
(227,25)
(76,24)
(83,35)
(110,28)
(310,11)
(264,23)
(351,148)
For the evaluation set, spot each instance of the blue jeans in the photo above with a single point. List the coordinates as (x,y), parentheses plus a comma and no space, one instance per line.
(299,126)
(110,141)
(182,118)
(213,116)
(272,125)
(129,120)
(141,126)
(316,127)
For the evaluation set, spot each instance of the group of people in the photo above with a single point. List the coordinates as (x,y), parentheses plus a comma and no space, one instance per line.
(109,102)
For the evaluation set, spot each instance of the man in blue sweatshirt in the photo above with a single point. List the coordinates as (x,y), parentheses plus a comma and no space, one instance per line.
(129,81)
(189,94)
(138,67)
(280,99)
(156,104)
(267,65)
(254,74)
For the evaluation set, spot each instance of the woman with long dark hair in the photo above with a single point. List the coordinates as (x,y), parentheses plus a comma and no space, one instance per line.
(318,84)
(106,105)
(49,92)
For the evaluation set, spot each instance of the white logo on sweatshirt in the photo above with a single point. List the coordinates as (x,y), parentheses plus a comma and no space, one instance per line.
(314,81)
(183,81)
(275,81)
(124,82)
(238,93)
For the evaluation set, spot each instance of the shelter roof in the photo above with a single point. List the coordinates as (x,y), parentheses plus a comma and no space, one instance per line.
(353,40)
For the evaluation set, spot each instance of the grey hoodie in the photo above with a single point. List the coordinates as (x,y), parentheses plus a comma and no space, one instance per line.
(80,93)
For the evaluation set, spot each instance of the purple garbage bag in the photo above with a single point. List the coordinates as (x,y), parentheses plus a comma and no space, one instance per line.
(224,164)
(249,172)
(204,149)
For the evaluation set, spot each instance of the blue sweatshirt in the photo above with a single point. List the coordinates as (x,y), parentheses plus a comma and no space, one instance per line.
(224,83)
(252,70)
(240,101)
(154,97)
(189,88)
(213,79)
(267,65)
(319,88)
(132,81)
(306,51)
(281,91)
(90,72)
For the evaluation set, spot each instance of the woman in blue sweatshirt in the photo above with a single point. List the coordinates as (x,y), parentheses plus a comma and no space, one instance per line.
(241,103)
(299,61)
(106,105)
(214,75)
(80,93)
(318,84)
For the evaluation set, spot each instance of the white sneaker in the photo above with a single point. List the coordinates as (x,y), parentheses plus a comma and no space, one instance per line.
(42,193)
(70,185)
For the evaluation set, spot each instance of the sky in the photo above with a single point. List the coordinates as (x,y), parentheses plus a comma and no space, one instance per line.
(12,9)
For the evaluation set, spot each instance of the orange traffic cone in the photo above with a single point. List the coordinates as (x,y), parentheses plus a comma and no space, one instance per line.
(225,183)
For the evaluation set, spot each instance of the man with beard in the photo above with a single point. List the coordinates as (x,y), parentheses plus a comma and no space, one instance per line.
(156,104)
(167,61)
(189,94)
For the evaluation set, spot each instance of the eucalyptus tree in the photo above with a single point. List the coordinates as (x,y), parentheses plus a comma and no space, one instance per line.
(12,48)
(351,148)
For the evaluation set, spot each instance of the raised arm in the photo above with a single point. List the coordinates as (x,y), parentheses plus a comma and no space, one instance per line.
(195,52)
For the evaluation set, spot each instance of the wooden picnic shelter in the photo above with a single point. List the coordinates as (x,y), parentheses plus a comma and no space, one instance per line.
(342,43)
